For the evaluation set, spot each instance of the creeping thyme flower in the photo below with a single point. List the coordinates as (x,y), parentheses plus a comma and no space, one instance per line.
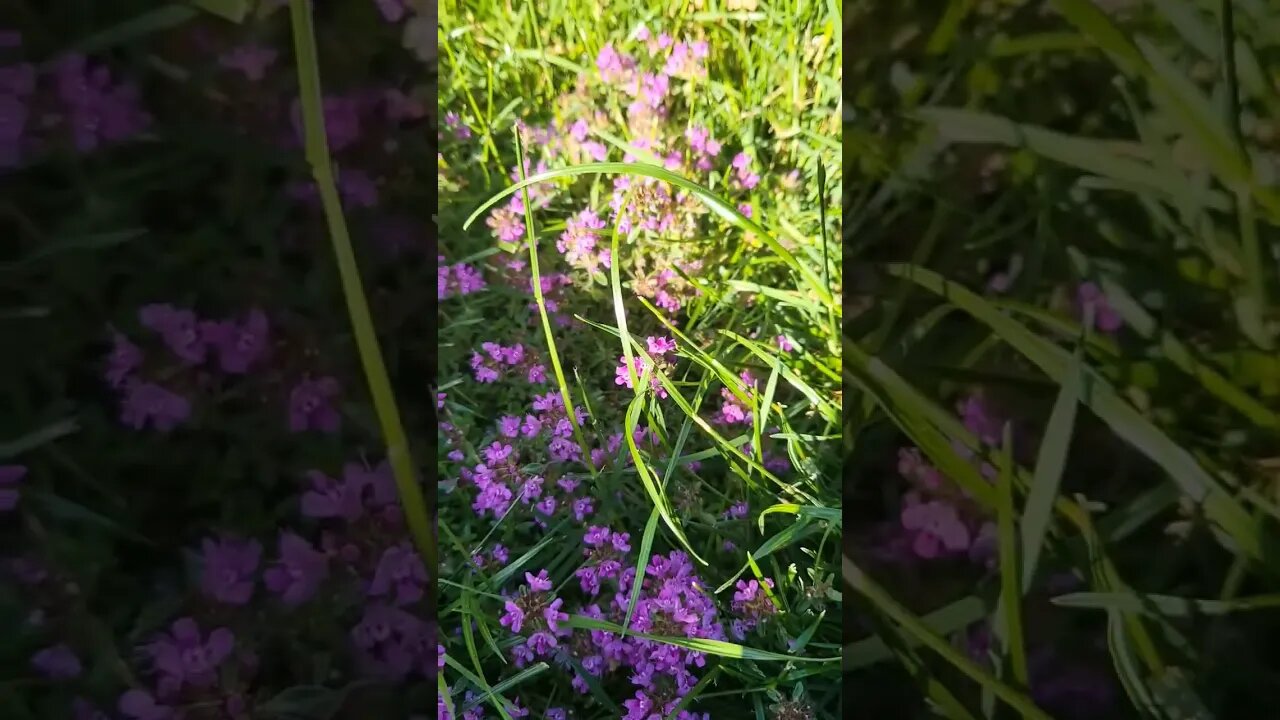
(10,476)
(229,569)
(57,662)
(311,405)
(299,572)
(185,657)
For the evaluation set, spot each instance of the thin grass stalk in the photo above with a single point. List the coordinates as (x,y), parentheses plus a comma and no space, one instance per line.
(375,371)
(536,279)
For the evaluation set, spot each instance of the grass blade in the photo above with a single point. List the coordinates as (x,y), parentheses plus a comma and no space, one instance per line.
(384,402)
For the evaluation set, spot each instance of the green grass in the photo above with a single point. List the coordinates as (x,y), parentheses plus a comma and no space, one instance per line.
(1132,158)
(772,90)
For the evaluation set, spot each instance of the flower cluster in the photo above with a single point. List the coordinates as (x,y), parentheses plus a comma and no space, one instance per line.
(658,348)
(938,518)
(535,614)
(497,360)
(671,603)
(752,603)
(457,279)
(604,552)
(155,388)
(71,101)
(10,476)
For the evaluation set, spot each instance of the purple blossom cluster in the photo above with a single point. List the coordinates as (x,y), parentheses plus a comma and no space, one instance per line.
(938,519)
(156,388)
(362,544)
(10,477)
(605,553)
(533,465)
(1090,298)
(457,280)
(69,102)
(752,604)
(672,603)
(658,347)
(580,242)
(498,360)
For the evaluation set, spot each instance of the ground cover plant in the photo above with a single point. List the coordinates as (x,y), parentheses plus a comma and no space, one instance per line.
(639,369)
(1061,390)
(200,517)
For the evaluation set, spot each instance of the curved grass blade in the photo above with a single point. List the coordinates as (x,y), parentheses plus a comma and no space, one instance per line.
(1047,478)
(647,478)
(944,621)
(912,625)
(499,703)
(1008,620)
(813,511)
(642,564)
(1168,605)
(1194,481)
(725,210)
(710,647)
(536,281)
(497,690)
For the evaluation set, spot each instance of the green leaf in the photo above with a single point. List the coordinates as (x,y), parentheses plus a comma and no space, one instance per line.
(1219,504)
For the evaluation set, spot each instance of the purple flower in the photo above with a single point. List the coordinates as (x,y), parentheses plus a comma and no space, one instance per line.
(179,328)
(400,106)
(513,618)
(239,345)
(660,345)
(145,402)
(230,567)
(300,571)
(184,657)
(57,663)
(125,357)
(1105,317)
(10,476)
(937,526)
(311,405)
(252,60)
(539,582)
(96,110)
(142,705)
(341,121)
(393,642)
(331,498)
(785,344)
(400,569)
(393,11)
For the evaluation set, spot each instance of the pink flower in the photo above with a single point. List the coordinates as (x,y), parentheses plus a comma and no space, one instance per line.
(311,405)
(10,476)
(393,11)
(57,663)
(937,526)
(252,60)
(230,569)
(1105,317)
(147,402)
(300,571)
(125,357)
(239,345)
(185,657)
(180,329)
(400,570)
